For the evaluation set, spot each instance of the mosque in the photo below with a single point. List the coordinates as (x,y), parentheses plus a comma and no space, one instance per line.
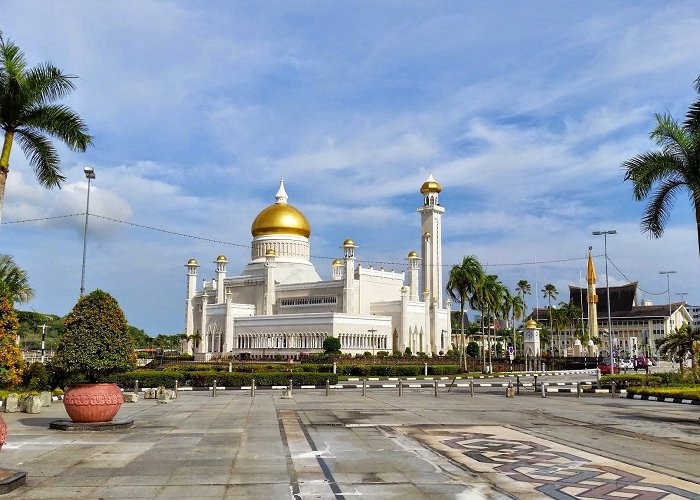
(279,305)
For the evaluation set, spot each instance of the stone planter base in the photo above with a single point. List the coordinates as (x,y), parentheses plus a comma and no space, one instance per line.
(11,480)
(66,424)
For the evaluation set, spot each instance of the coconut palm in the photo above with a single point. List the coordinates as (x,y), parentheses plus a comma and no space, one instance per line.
(28,113)
(550,292)
(490,295)
(461,286)
(678,344)
(523,288)
(675,168)
(15,278)
(517,310)
(571,315)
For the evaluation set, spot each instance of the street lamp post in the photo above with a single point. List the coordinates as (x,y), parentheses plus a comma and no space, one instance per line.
(668,289)
(89,174)
(607,288)
(682,294)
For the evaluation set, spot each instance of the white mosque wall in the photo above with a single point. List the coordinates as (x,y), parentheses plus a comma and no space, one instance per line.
(376,285)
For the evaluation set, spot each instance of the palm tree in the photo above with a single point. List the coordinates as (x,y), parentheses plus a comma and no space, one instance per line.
(571,314)
(15,278)
(523,288)
(29,114)
(461,286)
(550,292)
(673,169)
(491,298)
(517,309)
(685,339)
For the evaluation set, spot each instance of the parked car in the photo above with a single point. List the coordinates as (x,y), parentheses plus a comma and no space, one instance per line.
(626,364)
(605,368)
(641,362)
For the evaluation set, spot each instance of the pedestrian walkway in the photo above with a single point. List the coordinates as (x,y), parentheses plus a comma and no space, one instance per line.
(375,446)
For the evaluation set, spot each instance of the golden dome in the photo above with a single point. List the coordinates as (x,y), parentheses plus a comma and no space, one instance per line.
(281,218)
(192,262)
(531,323)
(270,252)
(412,254)
(349,243)
(337,262)
(430,186)
(221,258)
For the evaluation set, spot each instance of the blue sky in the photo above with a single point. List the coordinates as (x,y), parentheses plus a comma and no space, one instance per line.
(522,111)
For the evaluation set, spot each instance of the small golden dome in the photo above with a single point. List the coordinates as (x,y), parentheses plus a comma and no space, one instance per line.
(531,323)
(337,262)
(430,186)
(221,258)
(192,262)
(349,243)
(281,218)
(270,252)
(412,254)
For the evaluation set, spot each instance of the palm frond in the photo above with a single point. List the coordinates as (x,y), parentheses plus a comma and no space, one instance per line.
(671,137)
(657,212)
(16,280)
(62,122)
(48,83)
(42,156)
(13,61)
(646,169)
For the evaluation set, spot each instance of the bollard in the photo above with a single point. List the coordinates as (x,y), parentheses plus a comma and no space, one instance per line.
(290,387)
(425,368)
(230,367)
(334,368)
(543,385)
(471,388)
(213,390)
(597,377)
(176,386)
(328,387)
(578,390)
(612,389)
(517,385)
(136,386)
(435,383)
(252,388)
(364,387)
(535,383)
(400,388)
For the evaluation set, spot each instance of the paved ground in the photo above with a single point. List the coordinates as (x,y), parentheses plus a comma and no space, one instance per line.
(379,446)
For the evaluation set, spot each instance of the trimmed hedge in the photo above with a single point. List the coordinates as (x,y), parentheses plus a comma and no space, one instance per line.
(689,392)
(395,370)
(238,379)
(148,378)
(631,380)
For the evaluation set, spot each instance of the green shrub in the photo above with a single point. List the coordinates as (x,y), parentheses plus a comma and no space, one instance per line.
(237,379)
(36,377)
(57,392)
(382,354)
(148,378)
(443,369)
(687,392)
(96,342)
(624,381)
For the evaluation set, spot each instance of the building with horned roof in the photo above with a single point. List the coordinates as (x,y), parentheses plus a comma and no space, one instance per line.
(279,305)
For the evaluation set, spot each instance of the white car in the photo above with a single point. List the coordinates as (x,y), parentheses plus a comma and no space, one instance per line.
(626,364)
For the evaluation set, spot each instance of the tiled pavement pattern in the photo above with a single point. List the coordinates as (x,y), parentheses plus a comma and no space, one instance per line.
(523,465)
(348,446)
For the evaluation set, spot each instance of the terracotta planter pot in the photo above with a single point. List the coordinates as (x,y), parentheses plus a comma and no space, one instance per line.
(3,432)
(93,402)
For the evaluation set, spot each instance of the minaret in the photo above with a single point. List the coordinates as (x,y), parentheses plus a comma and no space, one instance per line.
(191,290)
(413,268)
(220,276)
(337,266)
(349,288)
(431,223)
(592,298)
(270,298)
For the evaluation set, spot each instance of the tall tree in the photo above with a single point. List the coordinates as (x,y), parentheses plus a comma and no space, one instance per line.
(29,114)
(523,288)
(11,361)
(491,298)
(462,284)
(15,278)
(673,169)
(678,344)
(550,292)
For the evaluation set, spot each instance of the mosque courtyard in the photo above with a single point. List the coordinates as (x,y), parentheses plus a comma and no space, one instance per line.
(377,446)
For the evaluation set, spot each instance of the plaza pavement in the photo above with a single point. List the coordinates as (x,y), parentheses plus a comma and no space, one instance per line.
(379,446)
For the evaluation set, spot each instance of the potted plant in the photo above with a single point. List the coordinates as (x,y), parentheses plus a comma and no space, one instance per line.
(95,345)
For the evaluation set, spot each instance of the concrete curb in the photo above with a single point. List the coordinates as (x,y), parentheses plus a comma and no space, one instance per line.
(663,399)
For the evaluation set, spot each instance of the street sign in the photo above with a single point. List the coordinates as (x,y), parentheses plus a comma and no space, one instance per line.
(511,350)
